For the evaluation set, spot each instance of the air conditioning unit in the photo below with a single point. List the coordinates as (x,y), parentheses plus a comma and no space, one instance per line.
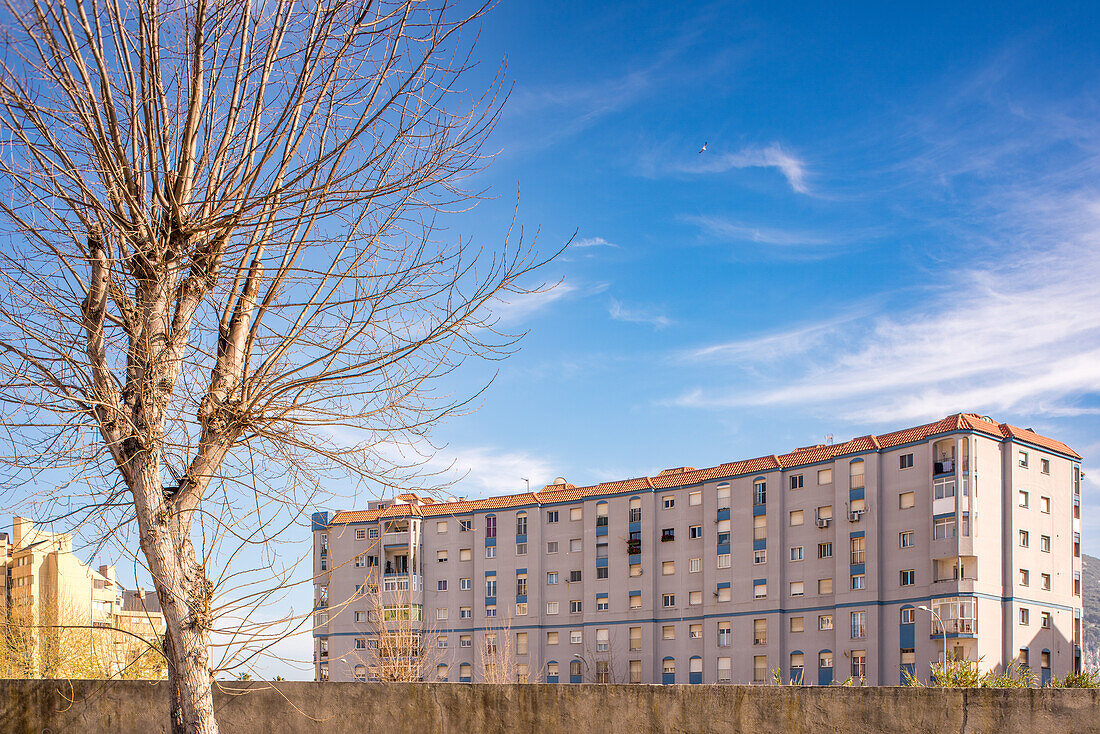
(823,522)
(855,515)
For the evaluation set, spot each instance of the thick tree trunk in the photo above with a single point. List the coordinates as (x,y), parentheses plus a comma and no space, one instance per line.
(184,594)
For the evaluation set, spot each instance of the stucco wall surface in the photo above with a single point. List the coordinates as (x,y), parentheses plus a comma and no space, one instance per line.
(134,707)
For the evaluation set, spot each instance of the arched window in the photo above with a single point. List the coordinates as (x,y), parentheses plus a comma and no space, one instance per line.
(441,672)
(552,671)
(521,522)
(635,509)
(759,491)
(695,669)
(668,670)
(798,663)
(361,673)
(908,614)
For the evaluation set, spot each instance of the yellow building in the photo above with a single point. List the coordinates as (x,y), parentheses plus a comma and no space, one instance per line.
(64,619)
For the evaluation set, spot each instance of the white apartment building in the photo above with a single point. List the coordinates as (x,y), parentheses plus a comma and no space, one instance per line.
(866,559)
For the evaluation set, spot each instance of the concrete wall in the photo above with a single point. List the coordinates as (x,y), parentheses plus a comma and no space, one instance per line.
(37,707)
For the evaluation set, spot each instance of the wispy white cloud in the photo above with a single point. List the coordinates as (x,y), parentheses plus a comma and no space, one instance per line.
(484,470)
(737,231)
(619,312)
(774,156)
(593,242)
(771,347)
(520,307)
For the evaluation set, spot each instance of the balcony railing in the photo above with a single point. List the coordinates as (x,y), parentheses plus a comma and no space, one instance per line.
(955,626)
(970,577)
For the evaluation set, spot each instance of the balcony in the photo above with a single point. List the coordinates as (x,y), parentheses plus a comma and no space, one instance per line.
(955,627)
(944,466)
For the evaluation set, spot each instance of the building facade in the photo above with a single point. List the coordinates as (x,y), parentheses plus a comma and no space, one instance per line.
(46,588)
(866,560)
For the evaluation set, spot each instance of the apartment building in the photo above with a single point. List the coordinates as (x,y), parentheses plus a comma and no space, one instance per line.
(867,560)
(46,586)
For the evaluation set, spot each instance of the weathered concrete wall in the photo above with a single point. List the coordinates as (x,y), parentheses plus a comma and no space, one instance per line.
(35,707)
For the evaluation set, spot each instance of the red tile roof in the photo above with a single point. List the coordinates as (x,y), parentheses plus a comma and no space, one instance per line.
(686,475)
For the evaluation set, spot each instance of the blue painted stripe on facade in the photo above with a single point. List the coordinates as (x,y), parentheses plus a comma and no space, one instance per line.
(601,530)
(855,494)
(601,563)
(724,513)
(758,510)
(724,585)
(723,550)
(942,515)
(490,542)
(634,527)
(857,568)
(760,544)
(857,534)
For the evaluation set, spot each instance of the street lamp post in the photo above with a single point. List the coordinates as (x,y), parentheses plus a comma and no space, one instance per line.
(943,627)
(586,668)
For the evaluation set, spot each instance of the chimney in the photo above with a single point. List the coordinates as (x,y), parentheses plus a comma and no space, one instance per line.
(21,528)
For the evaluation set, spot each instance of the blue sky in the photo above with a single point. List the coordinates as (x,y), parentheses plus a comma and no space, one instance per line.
(897,217)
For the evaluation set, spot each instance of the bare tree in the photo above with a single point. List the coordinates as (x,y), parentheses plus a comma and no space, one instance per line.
(223,280)
(399,646)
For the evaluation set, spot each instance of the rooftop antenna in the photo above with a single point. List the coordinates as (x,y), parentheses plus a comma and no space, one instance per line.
(829,438)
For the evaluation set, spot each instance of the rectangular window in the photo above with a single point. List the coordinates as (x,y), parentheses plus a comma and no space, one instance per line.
(552,546)
(1025,615)
(491,526)
(668,600)
(441,526)
(521,549)
(908,577)
(905,539)
(521,609)
(574,576)
(825,550)
(825,622)
(796,481)
(798,624)
(1044,505)
(635,638)
(635,671)
(1025,577)
(465,526)
(943,528)
(759,589)
(603,640)
(760,632)
(372,533)
(725,670)
(695,498)
(576,545)
(1024,539)
(859,581)
(724,496)
(1044,543)
(441,613)
(905,461)
(465,584)
(1046,617)
(695,631)
(856,550)
(759,556)
(465,641)
(668,502)
(576,637)
(441,641)
(824,476)
(1023,459)
(724,560)
(695,532)
(668,632)
(551,607)
(796,553)
(1044,466)
(490,551)
(796,518)
(465,554)
(551,516)
(797,588)
(521,584)
(668,568)
(695,598)
(576,513)
(360,561)
(551,638)
(360,616)
(1045,578)
(636,601)
(551,577)
(360,533)
(725,594)
(859,625)
(465,612)
(575,606)
(602,604)
(668,535)
(725,634)
(759,668)
(695,565)
(441,556)
(1023,498)
(441,585)
(521,524)
(759,527)
(824,586)
(859,664)
(906,500)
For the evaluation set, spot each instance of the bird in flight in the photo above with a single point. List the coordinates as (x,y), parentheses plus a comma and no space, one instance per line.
(703,148)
